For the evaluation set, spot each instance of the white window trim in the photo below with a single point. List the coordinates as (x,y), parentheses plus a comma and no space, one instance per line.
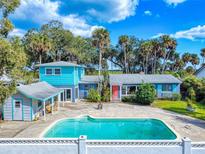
(21,103)
(53,71)
(46,71)
(127,91)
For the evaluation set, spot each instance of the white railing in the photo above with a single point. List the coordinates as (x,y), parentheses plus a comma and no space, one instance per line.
(84,146)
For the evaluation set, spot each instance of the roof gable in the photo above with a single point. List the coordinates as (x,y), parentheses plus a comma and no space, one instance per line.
(59,63)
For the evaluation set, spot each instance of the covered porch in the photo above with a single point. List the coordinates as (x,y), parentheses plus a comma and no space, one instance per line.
(45,99)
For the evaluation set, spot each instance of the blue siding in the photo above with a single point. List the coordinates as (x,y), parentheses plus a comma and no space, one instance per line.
(69,76)
(76,77)
(176,88)
(84,88)
(66,77)
(81,72)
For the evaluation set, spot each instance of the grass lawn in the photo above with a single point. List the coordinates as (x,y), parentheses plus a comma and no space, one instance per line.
(180,107)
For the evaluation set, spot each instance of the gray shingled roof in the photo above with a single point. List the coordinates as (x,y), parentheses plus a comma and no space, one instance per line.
(139,78)
(199,70)
(39,90)
(59,63)
(90,79)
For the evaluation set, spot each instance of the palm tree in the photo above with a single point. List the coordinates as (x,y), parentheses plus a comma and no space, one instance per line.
(123,41)
(41,44)
(156,53)
(146,50)
(101,40)
(190,70)
(194,60)
(169,46)
(203,54)
(186,57)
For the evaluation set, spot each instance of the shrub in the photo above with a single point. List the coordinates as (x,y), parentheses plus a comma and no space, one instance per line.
(93,95)
(145,94)
(176,97)
(130,99)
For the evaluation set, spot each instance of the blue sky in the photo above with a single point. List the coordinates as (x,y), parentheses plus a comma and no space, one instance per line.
(182,19)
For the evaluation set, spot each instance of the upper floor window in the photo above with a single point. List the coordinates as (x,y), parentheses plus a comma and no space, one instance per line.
(49,71)
(57,71)
(166,87)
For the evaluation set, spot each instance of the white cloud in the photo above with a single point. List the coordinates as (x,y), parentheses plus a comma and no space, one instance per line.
(17,32)
(148,13)
(41,12)
(113,10)
(195,33)
(157,35)
(174,2)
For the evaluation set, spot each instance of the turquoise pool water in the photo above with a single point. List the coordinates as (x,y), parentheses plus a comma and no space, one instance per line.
(112,129)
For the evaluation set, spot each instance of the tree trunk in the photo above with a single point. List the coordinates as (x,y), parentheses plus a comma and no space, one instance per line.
(99,71)
(125,58)
(165,61)
(40,58)
(155,61)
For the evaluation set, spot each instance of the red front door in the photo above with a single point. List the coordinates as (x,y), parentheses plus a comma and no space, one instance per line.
(114,92)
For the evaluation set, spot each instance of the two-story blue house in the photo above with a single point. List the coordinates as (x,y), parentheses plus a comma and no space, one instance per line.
(63,75)
(66,82)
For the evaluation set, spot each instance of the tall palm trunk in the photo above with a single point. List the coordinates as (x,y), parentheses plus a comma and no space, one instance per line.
(99,71)
(40,57)
(155,62)
(125,58)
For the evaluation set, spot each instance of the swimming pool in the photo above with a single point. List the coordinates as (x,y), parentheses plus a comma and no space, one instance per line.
(111,129)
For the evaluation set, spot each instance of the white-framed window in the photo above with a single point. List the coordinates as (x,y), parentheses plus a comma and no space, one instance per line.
(17,104)
(57,71)
(167,87)
(124,89)
(49,71)
(131,90)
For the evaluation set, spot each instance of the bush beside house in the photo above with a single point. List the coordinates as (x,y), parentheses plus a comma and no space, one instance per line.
(93,96)
(145,94)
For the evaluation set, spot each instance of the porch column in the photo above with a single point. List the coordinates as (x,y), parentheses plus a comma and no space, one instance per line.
(59,101)
(110,92)
(120,92)
(52,104)
(44,110)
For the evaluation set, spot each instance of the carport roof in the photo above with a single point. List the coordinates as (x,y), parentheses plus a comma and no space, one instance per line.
(39,91)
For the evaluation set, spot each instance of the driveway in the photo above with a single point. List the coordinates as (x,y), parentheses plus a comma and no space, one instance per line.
(185,126)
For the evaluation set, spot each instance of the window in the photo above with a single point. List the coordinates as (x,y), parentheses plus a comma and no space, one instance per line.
(131,89)
(49,71)
(39,103)
(86,87)
(57,71)
(123,90)
(17,104)
(166,87)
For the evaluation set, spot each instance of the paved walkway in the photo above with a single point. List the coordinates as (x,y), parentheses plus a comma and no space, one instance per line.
(183,125)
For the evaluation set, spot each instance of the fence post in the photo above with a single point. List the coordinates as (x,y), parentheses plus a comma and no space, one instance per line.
(186,143)
(82,145)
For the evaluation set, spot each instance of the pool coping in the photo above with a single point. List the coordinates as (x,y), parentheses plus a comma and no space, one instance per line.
(178,136)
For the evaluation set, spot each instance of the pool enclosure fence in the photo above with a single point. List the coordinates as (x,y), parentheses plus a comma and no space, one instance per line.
(83,146)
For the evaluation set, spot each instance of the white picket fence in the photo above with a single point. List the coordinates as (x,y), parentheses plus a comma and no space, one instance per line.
(84,146)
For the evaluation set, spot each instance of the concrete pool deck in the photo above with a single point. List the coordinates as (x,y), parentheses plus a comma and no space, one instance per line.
(185,126)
